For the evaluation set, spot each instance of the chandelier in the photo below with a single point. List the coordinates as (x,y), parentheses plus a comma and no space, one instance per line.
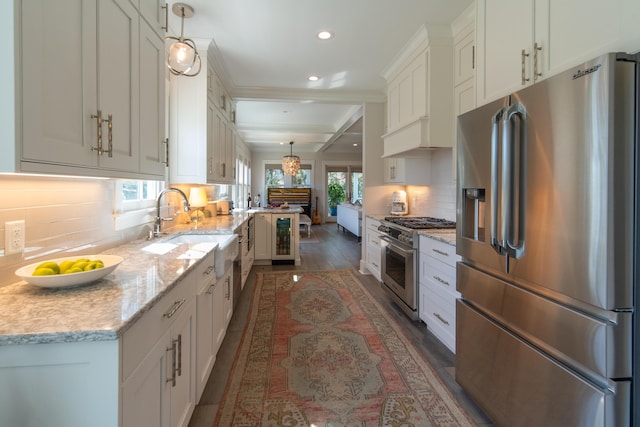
(183,59)
(291,163)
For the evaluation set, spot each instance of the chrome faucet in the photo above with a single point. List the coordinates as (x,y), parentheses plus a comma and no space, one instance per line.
(158,227)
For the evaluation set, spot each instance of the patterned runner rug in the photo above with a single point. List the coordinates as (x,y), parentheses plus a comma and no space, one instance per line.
(318,350)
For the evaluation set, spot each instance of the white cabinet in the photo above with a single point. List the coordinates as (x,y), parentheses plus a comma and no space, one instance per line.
(437,292)
(201,143)
(276,237)
(262,245)
(158,362)
(522,42)
(407,171)
(153,144)
(61,91)
(373,252)
(206,333)
(155,13)
(420,99)
(72,384)
(464,92)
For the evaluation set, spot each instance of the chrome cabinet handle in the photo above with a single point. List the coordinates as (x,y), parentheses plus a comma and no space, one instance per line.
(166,17)
(211,288)
(98,118)
(536,48)
(444,282)
(227,295)
(523,56)
(100,122)
(110,136)
(179,369)
(210,165)
(440,252)
(208,270)
(173,349)
(166,152)
(441,319)
(174,308)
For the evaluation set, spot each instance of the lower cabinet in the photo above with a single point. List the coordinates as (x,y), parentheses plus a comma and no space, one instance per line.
(214,310)
(276,237)
(437,292)
(160,389)
(373,250)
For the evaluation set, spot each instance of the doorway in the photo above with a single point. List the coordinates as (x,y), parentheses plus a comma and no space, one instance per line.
(343,183)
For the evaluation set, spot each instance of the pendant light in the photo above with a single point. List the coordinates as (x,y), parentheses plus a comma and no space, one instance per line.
(291,163)
(183,59)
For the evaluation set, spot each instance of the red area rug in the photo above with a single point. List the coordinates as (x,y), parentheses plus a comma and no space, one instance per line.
(318,350)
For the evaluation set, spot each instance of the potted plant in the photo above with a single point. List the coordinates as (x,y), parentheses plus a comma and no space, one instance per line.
(336,196)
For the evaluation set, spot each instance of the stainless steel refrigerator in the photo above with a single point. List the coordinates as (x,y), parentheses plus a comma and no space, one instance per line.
(547,214)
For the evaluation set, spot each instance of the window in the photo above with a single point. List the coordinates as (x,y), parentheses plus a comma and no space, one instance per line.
(136,194)
(275,177)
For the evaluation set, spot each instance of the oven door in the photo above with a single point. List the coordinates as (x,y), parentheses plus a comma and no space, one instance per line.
(398,272)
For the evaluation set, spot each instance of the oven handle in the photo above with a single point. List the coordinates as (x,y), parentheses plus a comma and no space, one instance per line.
(396,247)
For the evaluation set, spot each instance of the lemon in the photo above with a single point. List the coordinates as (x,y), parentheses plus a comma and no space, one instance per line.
(81,264)
(93,265)
(50,265)
(44,271)
(73,270)
(65,265)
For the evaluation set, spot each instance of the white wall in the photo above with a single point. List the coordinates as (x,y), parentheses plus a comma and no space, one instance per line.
(317,161)
(62,215)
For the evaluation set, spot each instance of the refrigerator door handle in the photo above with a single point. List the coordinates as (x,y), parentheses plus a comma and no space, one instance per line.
(495,166)
(513,180)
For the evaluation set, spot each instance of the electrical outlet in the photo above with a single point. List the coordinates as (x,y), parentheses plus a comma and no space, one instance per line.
(13,237)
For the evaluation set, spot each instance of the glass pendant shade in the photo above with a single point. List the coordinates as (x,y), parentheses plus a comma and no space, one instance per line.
(291,163)
(183,59)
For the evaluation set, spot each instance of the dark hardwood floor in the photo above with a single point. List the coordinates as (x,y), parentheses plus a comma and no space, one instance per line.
(335,249)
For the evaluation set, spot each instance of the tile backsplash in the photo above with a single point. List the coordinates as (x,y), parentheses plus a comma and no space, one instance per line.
(62,216)
(435,200)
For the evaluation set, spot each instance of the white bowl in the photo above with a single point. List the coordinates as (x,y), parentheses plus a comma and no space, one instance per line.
(71,279)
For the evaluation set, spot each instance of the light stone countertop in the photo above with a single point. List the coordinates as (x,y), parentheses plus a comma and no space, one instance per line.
(105,309)
(443,235)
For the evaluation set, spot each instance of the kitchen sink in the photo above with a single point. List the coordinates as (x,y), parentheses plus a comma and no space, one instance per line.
(198,238)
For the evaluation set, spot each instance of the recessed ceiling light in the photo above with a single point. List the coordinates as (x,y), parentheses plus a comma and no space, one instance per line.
(355,145)
(325,35)
(313,78)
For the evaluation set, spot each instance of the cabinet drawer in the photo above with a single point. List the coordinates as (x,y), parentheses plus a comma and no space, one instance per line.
(439,313)
(142,336)
(206,271)
(372,224)
(439,250)
(438,273)
(373,239)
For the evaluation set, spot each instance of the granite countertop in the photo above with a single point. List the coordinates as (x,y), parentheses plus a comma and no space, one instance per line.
(105,309)
(443,235)
(292,209)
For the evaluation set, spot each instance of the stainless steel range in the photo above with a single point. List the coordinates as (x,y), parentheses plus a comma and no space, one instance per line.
(399,258)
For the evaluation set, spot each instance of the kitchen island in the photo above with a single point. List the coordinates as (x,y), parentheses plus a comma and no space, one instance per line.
(102,354)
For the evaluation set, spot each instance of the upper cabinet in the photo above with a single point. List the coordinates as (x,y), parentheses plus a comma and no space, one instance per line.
(525,41)
(94,107)
(202,139)
(420,95)
(464,66)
